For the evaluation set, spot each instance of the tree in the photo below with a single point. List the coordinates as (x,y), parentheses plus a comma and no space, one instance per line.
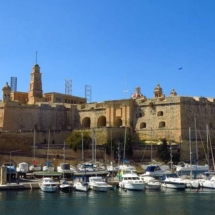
(163,151)
(75,140)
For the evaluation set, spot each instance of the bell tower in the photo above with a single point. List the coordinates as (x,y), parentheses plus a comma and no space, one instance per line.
(35,91)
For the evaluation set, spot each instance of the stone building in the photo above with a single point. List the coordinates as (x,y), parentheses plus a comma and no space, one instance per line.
(154,118)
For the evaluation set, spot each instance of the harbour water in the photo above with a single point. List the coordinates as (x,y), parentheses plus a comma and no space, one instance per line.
(117,202)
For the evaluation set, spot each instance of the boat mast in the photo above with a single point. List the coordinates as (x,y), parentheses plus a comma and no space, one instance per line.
(63,156)
(151,144)
(48,146)
(82,147)
(111,156)
(197,157)
(212,154)
(34,144)
(190,150)
(207,145)
(124,146)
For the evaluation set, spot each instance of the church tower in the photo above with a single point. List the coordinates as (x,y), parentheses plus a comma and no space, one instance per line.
(35,93)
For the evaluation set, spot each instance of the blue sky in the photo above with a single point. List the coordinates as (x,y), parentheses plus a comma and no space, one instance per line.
(110,45)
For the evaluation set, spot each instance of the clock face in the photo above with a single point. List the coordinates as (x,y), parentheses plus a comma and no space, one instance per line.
(37,78)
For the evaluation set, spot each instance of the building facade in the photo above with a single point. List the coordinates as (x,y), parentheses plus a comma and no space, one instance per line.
(169,117)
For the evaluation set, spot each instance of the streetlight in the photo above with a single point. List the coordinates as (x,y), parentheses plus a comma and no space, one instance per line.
(10,162)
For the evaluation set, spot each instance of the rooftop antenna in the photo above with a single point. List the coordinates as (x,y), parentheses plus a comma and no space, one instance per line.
(125,90)
(68,86)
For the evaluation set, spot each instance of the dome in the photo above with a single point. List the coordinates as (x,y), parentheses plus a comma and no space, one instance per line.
(137,94)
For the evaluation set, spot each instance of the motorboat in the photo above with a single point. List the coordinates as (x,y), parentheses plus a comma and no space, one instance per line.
(22,167)
(88,167)
(35,167)
(64,168)
(96,183)
(126,167)
(155,171)
(48,167)
(172,181)
(48,185)
(190,182)
(151,182)
(65,186)
(208,183)
(11,170)
(184,168)
(81,186)
(129,180)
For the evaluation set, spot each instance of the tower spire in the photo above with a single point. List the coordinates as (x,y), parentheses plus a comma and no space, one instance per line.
(36,57)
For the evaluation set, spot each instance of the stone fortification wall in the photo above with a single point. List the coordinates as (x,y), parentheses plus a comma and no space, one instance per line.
(201,110)
(158,118)
(10,138)
(42,117)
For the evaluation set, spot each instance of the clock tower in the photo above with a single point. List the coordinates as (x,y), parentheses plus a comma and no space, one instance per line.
(35,92)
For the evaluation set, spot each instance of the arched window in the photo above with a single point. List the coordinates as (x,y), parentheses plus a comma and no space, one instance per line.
(101,121)
(160,113)
(142,125)
(86,122)
(162,124)
(118,122)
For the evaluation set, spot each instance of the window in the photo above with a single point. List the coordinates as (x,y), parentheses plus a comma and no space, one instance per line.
(142,125)
(162,124)
(160,113)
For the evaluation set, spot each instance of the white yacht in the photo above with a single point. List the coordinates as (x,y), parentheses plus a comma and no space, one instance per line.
(184,168)
(173,181)
(126,167)
(88,167)
(48,185)
(65,186)
(131,181)
(155,171)
(96,183)
(48,167)
(81,186)
(22,167)
(151,182)
(65,168)
(208,183)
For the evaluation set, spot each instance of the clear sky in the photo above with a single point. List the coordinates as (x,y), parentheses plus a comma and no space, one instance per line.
(111,45)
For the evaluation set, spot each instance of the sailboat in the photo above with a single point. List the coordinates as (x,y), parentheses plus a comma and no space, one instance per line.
(35,167)
(82,185)
(48,167)
(64,168)
(185,168)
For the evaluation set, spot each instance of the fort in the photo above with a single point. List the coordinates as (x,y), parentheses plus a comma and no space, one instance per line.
(150,119)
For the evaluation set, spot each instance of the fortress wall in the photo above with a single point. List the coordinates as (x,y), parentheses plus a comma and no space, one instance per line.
(148,112)
(15,138)
(201,109)
(44,117)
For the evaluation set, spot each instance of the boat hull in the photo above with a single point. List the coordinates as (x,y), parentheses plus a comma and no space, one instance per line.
(132,186)
(50,189)
(173,185)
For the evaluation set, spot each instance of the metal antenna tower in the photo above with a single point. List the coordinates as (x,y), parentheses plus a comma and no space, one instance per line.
(88,93)
(68,86)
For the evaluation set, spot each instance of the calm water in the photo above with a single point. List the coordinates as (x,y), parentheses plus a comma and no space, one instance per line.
(113,202)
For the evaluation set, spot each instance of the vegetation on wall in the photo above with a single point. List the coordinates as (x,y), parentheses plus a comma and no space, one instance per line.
(165,154)
(75,140)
